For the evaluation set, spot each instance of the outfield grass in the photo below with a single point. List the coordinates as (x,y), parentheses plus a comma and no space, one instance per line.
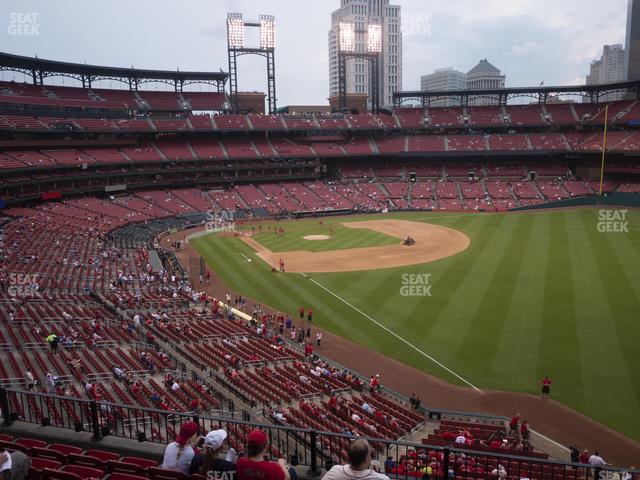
(294,233)
(534,294)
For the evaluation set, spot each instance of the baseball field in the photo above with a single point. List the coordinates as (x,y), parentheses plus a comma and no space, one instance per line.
(508,299)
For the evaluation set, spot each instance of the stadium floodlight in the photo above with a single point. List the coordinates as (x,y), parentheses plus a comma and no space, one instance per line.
(235,30)
(347,37)
(374,38)
(267,32)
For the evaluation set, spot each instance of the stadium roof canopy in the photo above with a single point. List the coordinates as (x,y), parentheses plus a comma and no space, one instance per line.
(40,69)
(500,95)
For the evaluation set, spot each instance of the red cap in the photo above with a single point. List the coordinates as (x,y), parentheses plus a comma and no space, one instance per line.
(187,430)
(258,437)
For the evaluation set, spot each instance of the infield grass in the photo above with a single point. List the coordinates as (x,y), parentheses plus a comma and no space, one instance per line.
(535,294)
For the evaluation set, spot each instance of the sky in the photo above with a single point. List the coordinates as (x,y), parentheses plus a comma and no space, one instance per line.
(530,41)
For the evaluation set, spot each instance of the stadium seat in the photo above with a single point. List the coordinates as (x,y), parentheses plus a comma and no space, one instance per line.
(84,472)
(156,473)
(6,438)
(141,462)
(65,449)
(30,443)
(40,452)
(50,474)
(125,476)
(39,464)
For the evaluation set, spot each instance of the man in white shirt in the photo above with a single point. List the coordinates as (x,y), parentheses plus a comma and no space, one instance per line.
(596,460)
(358,468)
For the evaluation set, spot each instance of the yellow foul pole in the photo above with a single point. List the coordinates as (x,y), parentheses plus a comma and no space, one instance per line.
(604,145)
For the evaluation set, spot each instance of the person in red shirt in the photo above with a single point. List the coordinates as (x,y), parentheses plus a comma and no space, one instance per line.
(301,312)
(309,315)
(584,456)
(254,466)
(524,430)
(513,424)
(546,386)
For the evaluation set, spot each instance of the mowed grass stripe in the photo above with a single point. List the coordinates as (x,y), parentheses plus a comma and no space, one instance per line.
(446,275)
(463,294)
(490,314)
(606,374)
(559,324)
(619,306)
(514,361)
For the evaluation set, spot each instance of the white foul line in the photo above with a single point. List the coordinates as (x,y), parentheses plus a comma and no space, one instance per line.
(245,257)
(393,333)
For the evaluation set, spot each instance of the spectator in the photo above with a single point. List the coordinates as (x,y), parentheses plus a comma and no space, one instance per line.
(584,457)
(179,454)
(255,467)
(524,431)
(14,466)
(359,454)
(499,472)
(31,381)
(574,454)
(546,386)
(596,460)
(319,338)
(513,424)
(213,457)
(412,401)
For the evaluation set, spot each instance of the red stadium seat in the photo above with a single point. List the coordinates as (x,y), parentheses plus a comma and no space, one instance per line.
(5,437)
(141,462)
(50,474)
(65,449)
(30,442)
(84,472)
(86,461)
(39,464)
(47,453)
(123,467)
(103,455)
(156,473)
(125,476)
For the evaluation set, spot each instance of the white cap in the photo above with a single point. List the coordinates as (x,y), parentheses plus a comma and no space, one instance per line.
(215,438)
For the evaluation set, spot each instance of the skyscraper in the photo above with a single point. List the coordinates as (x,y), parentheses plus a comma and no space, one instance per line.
(362,13)
(632,41)
(444,79)
(610,68)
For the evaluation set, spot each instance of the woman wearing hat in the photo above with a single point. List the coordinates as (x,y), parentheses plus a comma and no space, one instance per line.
(255,467)
(179,454)
(213,458)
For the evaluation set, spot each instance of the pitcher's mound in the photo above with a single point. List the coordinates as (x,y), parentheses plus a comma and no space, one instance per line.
(316,237)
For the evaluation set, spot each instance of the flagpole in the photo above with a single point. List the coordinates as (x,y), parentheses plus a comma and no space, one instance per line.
(604,146)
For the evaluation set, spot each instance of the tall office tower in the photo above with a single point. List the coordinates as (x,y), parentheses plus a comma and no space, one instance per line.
(444,79)
(362,13)
(610,68)
(632,42)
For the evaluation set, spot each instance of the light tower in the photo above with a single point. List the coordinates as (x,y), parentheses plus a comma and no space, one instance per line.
(236,47)
(347,49)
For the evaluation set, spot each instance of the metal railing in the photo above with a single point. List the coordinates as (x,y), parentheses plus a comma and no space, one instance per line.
(312,448)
